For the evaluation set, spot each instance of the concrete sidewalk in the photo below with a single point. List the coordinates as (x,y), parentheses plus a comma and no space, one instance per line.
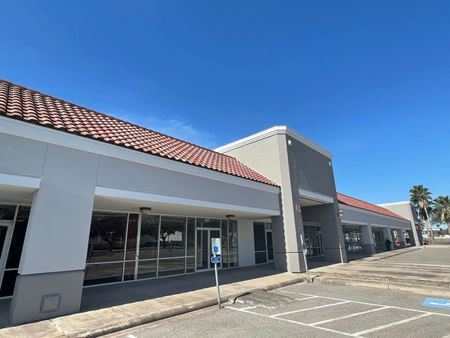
(111,319)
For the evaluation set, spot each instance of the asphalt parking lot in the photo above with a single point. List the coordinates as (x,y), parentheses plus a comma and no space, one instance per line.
(309,310)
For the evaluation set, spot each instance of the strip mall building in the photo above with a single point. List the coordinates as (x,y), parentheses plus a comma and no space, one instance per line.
(87,199)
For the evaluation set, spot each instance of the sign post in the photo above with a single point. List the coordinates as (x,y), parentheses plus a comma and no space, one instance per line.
(216,259)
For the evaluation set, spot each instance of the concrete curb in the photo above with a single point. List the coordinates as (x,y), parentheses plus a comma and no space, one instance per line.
(179,310)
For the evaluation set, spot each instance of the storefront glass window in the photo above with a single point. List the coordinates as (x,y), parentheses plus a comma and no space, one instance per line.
(107,237)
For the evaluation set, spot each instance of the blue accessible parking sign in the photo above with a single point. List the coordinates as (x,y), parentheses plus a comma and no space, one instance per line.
(216,259)
(437,303)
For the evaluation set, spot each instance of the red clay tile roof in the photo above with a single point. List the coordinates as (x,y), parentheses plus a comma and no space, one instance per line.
(31,106)
(354,202)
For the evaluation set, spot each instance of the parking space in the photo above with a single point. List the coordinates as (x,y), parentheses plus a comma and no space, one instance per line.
(347,317)
(310,310)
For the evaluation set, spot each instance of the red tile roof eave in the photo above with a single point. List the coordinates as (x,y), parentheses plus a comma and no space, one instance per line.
(31,106)
(385,213)
(131,148)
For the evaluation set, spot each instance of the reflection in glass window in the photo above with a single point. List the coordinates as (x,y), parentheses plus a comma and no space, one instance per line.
(107,237)
(20,228)
(208,223)
(168,267)
(225,243)
(133,223)
(7,212)
(148,245)
(191,237)
(103,273)
(233,244)
(172,237)
(147,269)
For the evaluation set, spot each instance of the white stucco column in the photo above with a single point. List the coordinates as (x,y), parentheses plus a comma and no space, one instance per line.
(51,269)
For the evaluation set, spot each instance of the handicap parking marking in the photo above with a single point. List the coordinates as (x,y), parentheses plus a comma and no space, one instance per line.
(436,303)
(339,301)
(366,303)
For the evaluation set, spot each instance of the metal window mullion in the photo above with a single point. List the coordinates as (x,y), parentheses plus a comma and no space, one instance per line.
(195,244)
(158,246)
(138,247)
(185,245)
(125,247)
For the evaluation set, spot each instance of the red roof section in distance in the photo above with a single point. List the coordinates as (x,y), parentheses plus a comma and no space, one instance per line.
(357,203)
(30,106)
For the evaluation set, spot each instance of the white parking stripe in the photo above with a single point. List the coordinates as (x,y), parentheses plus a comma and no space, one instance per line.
(360,333)
(308,309)
(305,298)
(293,322)
(351,315)
(248,307)
(365,303)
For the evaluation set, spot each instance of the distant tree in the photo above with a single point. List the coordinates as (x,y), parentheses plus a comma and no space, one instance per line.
(442,210)
(420,196)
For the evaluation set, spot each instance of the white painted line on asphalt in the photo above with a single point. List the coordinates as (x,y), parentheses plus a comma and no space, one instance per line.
(373,304)
(309,308)
(248,307)
(131,336)
(360,333)
(292,321)
(305,298)
(351,315)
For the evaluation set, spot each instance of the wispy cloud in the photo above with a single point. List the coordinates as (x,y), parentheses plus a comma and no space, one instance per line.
(174,127)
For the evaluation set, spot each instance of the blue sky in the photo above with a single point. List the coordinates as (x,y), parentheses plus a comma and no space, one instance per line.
(367,80)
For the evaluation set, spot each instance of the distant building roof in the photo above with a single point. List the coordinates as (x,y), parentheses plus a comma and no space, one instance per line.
(357,203)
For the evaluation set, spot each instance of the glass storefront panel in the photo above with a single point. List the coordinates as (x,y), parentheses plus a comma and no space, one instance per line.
(7,212)
(127,246)
(133,224)
(353,239)
(232,244)
(259,236)
(191,237)
(148,243)
(225,244)
(103,273)
(20,229)
(172,238)
(8,283)
(107,237)
(129,270)
(208,223)
(313,240)
(147,269)
(173,266)
(190,264)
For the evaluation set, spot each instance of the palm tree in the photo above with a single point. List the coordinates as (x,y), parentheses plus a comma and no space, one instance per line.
(421,198)
(442,209)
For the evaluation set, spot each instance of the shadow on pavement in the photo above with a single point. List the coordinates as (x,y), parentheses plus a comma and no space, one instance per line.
(111,295)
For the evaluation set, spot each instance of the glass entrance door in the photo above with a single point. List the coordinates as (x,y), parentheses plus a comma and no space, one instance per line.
(204,252)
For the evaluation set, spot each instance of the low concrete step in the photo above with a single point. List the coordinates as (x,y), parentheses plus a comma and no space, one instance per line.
(413,280)
(421,289)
